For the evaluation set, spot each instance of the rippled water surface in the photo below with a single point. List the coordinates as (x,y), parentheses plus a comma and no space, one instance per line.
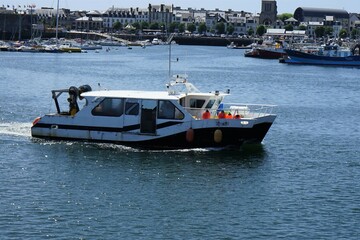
(301,183)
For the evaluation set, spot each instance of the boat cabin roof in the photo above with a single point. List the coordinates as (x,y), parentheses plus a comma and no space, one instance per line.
(155,95)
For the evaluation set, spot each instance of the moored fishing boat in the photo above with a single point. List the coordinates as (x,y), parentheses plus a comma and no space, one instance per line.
(333,56)
(169,119)
(232,45)
(266,52)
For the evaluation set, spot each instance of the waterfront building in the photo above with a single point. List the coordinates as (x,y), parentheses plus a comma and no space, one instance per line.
(183,16)
(28,21)
(92,21)
(16,23)
(321,15)
(354,22)
(274,33)
(47,17)
(124,16)
(242,22)
(268,15)
(199,16)
(213,17)
(162,14)
(292,21)
(311,27)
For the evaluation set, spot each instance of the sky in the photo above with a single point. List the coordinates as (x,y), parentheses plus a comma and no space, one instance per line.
(253,6)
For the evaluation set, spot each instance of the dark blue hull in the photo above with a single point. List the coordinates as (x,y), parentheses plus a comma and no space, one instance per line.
(297,57)
(202,138)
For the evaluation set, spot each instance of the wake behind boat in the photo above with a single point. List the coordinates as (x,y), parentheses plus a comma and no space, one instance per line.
(169,119)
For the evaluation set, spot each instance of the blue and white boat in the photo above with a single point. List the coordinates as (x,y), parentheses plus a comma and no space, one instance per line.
(328,55)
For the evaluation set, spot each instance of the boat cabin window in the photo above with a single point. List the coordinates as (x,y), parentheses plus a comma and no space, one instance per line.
(132,108)
(109,107)
(196,103)
(167,110)
(210,103)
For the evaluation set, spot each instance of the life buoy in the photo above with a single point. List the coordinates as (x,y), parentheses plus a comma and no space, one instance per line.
(218,136)
(190,135)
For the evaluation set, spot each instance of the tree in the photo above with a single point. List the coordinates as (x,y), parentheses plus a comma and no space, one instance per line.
(154,26)
(181,27)
(343,33)
(320,31)
(173,26)
(261,30)
(329,31)
(136,25)
(284,16)
(250,32)
(354,33)
(289,27)
(191,27)
(202,28)
(220,28)
(144,25)
(117,26)
(302,27)
(230,29)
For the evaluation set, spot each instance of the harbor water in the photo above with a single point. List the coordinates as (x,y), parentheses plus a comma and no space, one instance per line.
(302,182)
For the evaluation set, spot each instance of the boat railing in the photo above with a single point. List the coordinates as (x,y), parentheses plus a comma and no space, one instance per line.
(236,111)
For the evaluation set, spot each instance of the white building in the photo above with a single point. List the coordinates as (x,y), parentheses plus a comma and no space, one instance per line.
(124,16)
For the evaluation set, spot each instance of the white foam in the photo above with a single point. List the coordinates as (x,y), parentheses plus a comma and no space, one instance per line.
(15,129)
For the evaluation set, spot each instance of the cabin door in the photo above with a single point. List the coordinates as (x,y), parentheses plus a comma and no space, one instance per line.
(148,116)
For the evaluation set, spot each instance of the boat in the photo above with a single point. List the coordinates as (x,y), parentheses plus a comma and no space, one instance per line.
(232,45)
(170,119)
(269,49)
(110,43)
(4,47)
(268,52)
(68,47)
(179,117)
(90,47)
(328,55)
(155,41)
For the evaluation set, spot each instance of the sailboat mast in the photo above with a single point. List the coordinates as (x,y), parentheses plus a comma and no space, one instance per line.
(57,22)
(169,61)
(169,42)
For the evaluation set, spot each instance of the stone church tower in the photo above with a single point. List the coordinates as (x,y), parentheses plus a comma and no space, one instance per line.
(268,13)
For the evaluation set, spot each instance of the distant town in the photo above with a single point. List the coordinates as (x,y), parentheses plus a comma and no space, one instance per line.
(26,22)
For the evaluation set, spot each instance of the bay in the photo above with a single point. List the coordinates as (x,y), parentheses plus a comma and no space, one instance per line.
(301,183)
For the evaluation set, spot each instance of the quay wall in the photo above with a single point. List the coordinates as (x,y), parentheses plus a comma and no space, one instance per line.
(180,39)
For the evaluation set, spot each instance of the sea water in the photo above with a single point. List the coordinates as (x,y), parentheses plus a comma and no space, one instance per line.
(302,182)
